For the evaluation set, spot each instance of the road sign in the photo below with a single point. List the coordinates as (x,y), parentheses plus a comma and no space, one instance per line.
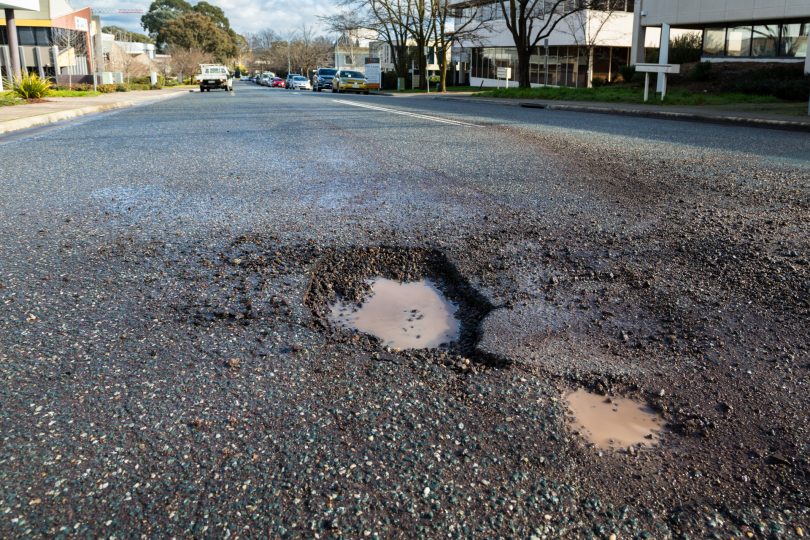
(374,73)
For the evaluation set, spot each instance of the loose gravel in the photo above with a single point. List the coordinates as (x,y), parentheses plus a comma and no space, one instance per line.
(167,367)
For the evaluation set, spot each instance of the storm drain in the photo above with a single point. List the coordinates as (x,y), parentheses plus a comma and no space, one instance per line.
(613,423)
(398,298)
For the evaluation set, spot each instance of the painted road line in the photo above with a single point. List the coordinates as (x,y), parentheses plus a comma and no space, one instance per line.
(405,113)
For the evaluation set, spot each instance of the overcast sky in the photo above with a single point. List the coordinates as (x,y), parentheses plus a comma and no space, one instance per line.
(246,16)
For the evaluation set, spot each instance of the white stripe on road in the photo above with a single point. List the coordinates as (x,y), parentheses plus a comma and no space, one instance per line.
(405,113)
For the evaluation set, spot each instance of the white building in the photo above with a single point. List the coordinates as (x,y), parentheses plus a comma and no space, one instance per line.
(583,46)
(768,31)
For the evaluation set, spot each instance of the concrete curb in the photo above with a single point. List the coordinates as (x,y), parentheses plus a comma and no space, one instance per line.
(10,126)
(767,123)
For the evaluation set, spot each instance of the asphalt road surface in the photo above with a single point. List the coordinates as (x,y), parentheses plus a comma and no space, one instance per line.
(167,367)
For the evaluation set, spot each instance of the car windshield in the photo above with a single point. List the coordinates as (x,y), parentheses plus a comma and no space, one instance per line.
(325,72)
(352,75)
(299,78)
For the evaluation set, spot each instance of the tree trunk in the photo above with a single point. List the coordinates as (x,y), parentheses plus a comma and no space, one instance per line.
(524,59)
(423,74)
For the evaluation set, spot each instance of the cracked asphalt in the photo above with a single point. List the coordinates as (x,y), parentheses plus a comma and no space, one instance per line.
(166,369)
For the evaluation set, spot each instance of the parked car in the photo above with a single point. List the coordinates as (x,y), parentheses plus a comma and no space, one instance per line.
(266,78)
(289,80)
(278,82)
(298,82)
(349,81)
(323,79)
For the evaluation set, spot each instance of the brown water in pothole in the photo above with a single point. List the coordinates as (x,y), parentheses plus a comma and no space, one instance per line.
(613,423)
(403,315)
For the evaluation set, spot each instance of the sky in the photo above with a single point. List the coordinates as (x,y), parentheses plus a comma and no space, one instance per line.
(246,16)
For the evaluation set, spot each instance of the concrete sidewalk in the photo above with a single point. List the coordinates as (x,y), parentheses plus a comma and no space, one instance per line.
(746,115)
(56,109)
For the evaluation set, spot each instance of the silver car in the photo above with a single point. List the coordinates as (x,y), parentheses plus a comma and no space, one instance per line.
(299,82)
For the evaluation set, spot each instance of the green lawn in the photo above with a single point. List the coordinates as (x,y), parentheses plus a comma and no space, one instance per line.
(624,94)
(449,89)
(73,93)
(7,98)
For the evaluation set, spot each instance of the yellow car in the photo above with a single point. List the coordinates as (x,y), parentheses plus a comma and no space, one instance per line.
(349,81)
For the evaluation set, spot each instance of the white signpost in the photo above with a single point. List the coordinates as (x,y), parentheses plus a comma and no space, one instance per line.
(663,69)
(504,73)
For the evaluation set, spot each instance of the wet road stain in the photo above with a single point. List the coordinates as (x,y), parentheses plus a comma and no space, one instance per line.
(612,422)
(413,315)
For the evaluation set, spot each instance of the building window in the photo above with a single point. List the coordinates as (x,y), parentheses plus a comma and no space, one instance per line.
(765,40)
(42,36)
(714,41)
(25,34)
(794,40)
(738,41)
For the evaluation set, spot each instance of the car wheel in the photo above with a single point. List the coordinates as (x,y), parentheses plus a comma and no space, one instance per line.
(366,92)
(334,90)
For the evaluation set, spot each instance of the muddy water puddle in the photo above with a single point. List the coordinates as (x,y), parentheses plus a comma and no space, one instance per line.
(613,422)
(413,315)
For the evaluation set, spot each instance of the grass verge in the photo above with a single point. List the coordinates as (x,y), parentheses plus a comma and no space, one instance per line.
(624,94)
(432,91)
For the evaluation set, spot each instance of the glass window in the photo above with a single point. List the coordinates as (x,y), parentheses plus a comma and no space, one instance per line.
(714,41)
(738,41)
(43,36)
(26,35)
(765,40)
(794,40)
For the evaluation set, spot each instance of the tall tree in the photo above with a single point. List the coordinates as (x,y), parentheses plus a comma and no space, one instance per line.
(421,28)
(214,13)
(193,30)
(160,14)
(468,24)
(532,21)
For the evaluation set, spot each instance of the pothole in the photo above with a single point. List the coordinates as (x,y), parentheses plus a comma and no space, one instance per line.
(412,315)
(401,298)
(613,423)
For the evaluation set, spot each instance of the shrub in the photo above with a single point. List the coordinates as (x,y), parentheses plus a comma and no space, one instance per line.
(30,86)
(787,89)
(598,82)
(107,88)
(121,88)
(627,73)
(701,72)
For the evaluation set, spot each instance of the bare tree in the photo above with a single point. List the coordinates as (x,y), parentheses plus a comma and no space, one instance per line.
(186,61)
(468,24)
(391,20)
(584,27)
(532,21)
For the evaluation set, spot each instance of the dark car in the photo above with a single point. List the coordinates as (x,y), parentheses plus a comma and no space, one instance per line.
(323,79)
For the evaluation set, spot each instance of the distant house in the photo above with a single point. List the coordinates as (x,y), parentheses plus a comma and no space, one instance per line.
(352,49)
(765,31)
(131,59)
